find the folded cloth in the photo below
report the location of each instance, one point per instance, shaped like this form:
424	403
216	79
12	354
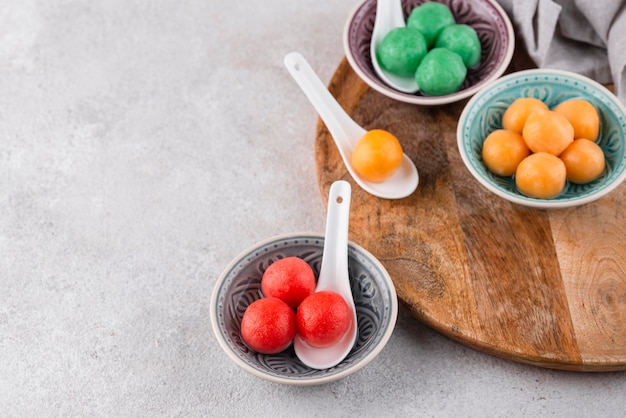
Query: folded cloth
584	36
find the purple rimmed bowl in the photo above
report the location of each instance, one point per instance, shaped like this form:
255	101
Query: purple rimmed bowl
488	19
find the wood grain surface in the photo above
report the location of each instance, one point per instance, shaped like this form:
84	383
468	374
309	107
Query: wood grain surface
546	288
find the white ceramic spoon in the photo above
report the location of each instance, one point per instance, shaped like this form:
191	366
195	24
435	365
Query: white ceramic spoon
333	276
389	16
347	133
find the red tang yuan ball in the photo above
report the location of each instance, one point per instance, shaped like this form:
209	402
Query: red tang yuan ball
290	279
323	318
268	325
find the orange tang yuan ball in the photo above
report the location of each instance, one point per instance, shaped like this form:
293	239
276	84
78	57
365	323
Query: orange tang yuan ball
584	161
268	325
548	132
323	318
515	115
541	175
583	117
503	150
377	155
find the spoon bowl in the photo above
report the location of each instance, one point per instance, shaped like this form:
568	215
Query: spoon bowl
347	133
389	16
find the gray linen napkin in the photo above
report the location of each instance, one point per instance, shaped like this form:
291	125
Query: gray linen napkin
584	36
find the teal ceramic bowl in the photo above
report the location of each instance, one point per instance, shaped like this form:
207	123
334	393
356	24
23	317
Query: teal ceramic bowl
483	114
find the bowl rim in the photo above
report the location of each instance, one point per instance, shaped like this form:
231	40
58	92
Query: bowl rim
393	314
523	200
430	100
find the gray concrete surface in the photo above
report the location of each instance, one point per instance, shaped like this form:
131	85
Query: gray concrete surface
143	145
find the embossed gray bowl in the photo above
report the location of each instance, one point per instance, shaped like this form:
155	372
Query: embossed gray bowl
483	114
240	283
488	19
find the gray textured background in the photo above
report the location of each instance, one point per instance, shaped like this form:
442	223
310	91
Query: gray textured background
143	145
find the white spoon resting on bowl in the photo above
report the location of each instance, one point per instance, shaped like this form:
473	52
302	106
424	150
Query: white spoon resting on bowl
389	16
333	276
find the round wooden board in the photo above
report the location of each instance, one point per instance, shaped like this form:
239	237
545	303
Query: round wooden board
546	288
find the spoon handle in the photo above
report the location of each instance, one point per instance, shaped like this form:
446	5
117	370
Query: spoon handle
339	123
389	15
334	270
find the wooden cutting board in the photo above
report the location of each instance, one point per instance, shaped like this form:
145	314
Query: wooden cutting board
546	288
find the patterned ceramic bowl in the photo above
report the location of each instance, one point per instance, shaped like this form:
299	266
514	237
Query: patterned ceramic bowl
491	23
483	114
240	283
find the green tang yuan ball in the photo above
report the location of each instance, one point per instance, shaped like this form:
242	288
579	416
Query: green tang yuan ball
440	72
401	51
430	18
463	40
